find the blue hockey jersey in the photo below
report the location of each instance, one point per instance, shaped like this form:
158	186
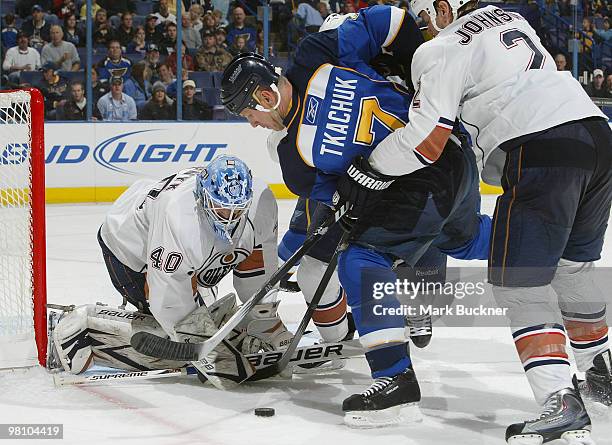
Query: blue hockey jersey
341	115
341	107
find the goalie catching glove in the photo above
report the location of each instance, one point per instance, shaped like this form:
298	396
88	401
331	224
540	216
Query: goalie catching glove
360	188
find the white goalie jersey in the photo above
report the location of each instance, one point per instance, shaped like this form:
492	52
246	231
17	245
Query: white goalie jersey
489	69
155	228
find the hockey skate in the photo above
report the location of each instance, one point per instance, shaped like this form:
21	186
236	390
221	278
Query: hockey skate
564	417
329	365
419	329
388	401
596	390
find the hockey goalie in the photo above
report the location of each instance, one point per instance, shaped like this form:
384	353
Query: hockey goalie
165	245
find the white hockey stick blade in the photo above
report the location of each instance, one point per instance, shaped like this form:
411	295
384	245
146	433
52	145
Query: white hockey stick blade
69	379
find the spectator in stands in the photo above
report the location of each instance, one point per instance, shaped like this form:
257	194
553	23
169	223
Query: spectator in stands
23	8
20	58
164	15
9	32
561	62
160	107
308	17
597	88
75	108
169	41
587	28
94	9
239	46
207	5
220	37
239	28
116	105
138	44
102	32
37	28
210	57
195	15
118	7
99	88
171	60
172	88
259	45
165	75
152	60
72	33
60	53
191	37
138	86
194	109
114	64
208	22
348	8
126	31
323	10
220	20
153	33
606	33
63	8
223	6
53	87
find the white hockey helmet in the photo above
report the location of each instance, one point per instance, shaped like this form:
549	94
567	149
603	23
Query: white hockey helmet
429	7
334	20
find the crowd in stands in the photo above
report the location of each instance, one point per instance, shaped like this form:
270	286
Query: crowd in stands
135	44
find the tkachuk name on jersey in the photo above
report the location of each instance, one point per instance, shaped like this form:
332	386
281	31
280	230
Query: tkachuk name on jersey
480	21
339	115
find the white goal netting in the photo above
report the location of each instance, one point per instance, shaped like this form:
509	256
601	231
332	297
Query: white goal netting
17	346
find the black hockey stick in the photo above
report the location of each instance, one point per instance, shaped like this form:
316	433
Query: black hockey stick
162	347
277	368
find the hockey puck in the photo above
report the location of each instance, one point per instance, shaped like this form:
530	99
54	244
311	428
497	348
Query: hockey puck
264	412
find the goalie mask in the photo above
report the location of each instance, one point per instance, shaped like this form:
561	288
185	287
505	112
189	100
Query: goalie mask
224	190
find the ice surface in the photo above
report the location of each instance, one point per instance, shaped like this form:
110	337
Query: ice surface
472	382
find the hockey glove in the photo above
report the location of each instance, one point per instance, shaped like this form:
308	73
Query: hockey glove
361	188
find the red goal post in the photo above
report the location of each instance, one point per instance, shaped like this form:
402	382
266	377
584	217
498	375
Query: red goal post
23	289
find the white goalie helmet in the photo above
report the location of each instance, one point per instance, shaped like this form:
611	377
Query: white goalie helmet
429	7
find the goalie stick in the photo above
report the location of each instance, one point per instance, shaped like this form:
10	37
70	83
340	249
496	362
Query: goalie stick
160	347
302	355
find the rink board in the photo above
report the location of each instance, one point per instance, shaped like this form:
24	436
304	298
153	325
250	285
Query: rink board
97	161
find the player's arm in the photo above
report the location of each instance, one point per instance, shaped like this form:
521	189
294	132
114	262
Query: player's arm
257	268
380	28
441	73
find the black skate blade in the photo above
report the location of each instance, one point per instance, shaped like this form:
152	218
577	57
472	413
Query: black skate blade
153	346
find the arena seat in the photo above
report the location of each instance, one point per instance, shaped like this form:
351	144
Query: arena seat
202	79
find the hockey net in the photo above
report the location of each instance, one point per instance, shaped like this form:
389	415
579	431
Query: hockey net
23	332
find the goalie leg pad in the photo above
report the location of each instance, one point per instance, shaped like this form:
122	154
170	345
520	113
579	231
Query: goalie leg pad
95	334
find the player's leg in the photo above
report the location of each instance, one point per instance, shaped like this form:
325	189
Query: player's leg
430	268
531	228
292	240
394	395
130	284
581	299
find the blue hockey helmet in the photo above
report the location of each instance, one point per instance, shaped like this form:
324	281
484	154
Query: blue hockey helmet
224	190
